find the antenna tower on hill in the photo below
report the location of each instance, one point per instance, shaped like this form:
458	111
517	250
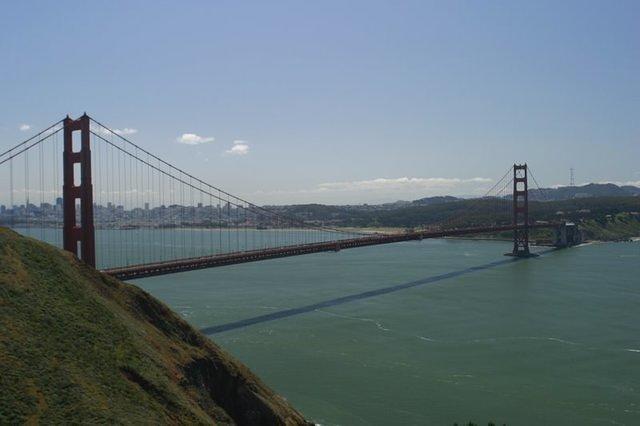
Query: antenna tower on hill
572	181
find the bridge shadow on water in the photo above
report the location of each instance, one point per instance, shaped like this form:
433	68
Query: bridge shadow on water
353	297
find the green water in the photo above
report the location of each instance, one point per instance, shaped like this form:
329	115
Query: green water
547	340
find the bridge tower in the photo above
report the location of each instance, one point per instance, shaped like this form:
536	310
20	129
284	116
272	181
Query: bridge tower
79	239
520	211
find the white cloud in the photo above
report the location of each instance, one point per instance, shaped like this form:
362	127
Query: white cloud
377	190
193	139
125	131
621	183
122	132
615	182
405	183
25	127
238	148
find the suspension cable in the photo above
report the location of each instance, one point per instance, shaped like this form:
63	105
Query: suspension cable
542	191
182	172
229	196
26	148
33	137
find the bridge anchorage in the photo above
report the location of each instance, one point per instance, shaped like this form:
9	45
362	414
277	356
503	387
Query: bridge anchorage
131	214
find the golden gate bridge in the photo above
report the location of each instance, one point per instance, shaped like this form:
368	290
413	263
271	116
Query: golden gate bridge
131	214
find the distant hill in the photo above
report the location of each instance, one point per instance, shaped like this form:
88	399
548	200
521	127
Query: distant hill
428	201
79	347
585	191
607	217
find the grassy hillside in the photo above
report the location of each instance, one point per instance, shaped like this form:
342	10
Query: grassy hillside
614	227
77	346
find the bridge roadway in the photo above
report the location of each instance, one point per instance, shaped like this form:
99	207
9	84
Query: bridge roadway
181	265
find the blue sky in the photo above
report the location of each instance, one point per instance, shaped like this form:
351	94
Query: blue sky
339	101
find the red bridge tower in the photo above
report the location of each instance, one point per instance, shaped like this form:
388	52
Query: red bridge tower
520	211
79	240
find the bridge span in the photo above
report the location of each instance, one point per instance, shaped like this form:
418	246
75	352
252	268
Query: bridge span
202	262
95	178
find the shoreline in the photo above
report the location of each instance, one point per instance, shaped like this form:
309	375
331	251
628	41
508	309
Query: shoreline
364	230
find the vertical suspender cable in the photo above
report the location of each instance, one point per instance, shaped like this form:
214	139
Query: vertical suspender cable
237	226
26	191
54	193
42	213
219	222
182	217
228	224
120	208
201	222
11	204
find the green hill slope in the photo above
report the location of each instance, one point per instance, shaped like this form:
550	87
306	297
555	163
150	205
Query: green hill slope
77	346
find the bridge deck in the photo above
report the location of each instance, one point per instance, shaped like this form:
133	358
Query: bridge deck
173	266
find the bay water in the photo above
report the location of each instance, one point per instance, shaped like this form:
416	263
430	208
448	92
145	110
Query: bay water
434	332
431	332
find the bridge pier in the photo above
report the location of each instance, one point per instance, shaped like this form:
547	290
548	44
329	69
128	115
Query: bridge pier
560	240
567	234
